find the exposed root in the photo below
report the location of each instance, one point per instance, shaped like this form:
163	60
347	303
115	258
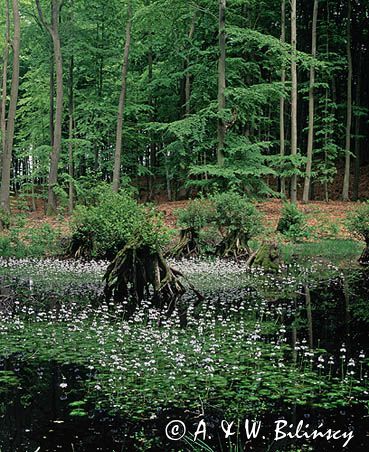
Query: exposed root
139	273
234	245
188	245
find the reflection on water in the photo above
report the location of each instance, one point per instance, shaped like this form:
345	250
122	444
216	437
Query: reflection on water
44	405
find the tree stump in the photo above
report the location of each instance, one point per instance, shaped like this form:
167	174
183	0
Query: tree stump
139	272
267	257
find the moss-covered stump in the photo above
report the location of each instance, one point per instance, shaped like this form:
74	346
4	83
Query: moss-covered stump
188	245
138	273
267	257
364	258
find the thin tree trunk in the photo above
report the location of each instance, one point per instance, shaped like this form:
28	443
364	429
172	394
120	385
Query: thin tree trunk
151	146
122	103
357	134
53	30
5	78
221	82
293	97
310	146
51	99
346	180
326	192
7	155
282	101
70	145
188	75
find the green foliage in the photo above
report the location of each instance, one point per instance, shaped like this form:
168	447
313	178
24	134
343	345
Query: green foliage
114	221
197	214
4	219
235	214
292	222
23	241
358	222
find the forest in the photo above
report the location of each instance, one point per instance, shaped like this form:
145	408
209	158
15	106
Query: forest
177	97
184	225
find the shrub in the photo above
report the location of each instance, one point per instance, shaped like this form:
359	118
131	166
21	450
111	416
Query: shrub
238	221
292	222
101	230
234	212
196	215
193	220
358	222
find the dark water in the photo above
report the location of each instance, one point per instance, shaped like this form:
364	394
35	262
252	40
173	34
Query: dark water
35	415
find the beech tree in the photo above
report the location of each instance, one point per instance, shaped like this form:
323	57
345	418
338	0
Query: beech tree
221	82
282	99
346	180
310	146
122	103
8	130
293	96
53	30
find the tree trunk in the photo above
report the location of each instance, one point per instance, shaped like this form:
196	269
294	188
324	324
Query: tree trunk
122	103
7	152
346	180
310	146
221	82
5	79
188	75
70	146
53	30
51	99
293	97
356	193
282	102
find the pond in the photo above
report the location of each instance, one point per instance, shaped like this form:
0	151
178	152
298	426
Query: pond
77	375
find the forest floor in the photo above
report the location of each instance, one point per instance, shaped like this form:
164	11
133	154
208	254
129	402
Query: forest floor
324	217
327	219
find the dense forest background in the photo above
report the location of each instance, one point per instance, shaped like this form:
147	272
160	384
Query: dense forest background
173	97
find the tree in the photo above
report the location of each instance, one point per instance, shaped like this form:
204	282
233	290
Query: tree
53	30
122	103
5	77
221	82
310	146
282	101
293	96
10	126
346	180
71	133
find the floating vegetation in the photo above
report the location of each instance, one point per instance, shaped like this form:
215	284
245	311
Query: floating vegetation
248	348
